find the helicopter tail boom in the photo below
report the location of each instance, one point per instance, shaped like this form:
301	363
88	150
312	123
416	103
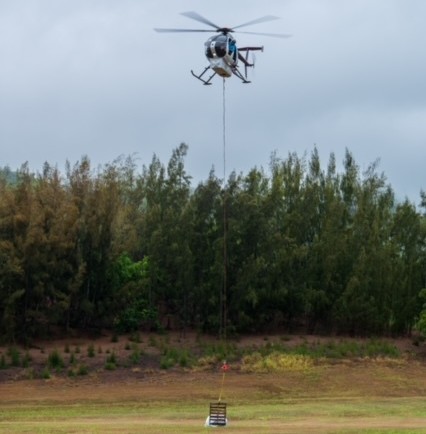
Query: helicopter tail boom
251	49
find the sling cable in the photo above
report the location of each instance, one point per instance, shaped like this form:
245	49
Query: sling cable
224	291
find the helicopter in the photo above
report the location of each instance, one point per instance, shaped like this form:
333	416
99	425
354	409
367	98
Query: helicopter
221	50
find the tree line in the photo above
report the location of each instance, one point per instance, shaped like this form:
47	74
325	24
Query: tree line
307	248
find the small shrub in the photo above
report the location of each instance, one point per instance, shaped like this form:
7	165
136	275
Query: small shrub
45	374
375	348
26	360
30	374
168	358
208	362
135	337
67	349
112	358
184	359
15	356
91	350
3	363
77	349
72	359
55	360
167	363
110	366
82	370
99	350
223	351
152	342
127	347
135	356
173	356
114	338
111	362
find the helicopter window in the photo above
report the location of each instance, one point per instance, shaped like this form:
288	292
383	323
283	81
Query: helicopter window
216	46
209	53
232	48
220	49
220	45
209	44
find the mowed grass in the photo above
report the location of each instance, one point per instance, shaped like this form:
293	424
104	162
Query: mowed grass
355	415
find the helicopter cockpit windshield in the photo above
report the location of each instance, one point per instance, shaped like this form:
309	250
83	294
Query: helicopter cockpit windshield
216	46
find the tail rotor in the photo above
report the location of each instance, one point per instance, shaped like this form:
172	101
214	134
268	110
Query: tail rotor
246	63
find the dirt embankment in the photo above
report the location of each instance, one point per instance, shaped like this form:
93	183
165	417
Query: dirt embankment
84	366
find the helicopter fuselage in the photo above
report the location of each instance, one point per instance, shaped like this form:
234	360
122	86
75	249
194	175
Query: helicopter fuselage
221	50
222	53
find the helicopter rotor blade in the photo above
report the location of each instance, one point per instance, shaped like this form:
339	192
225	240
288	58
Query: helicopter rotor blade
258	20
180	30
273	35
225	30
198	17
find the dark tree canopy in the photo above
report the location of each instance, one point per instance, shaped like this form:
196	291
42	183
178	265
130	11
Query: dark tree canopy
308	249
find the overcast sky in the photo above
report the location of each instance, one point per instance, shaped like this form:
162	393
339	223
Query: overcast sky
91	77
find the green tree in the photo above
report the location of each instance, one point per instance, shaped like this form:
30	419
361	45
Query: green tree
166	235
131	285
207	252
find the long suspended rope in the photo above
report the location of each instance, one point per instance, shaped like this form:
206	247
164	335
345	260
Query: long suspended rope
223	298
225	368
221	387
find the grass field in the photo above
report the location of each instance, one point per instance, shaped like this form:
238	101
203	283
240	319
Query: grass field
348	395
326	416
321	401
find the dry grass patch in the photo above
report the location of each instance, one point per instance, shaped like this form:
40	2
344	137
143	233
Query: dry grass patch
275	362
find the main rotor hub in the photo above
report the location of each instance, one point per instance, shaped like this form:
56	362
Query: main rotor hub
225	30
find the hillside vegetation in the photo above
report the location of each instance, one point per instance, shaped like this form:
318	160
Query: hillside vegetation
145	355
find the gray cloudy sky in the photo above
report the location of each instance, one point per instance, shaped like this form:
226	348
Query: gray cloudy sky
91	77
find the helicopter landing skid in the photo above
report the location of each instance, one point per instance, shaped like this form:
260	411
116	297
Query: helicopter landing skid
206	82
238	74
